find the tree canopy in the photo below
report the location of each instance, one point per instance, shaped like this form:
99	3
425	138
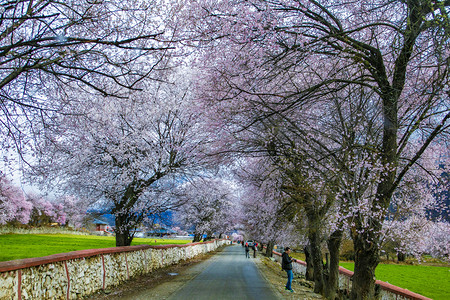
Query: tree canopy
333	116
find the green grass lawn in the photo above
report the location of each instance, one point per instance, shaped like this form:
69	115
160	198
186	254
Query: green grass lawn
429	281
17	246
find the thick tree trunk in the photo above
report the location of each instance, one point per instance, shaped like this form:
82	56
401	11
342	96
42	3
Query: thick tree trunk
123	237
124	216
317	260
197	237
366	261
332	284
269	249
309	275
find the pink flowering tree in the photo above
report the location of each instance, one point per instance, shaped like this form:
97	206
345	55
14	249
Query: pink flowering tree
44	211
74	209
208	207
304	157
291	57
96	45
13	204
125	153
267	215
417	236
409	227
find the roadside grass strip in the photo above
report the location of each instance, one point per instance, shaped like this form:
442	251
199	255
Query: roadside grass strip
429	281
18	246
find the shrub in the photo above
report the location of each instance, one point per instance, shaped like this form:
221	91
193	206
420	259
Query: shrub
347	252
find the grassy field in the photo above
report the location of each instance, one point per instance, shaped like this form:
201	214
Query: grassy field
430	281
17	246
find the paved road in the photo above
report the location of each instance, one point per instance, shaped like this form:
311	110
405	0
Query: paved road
227	275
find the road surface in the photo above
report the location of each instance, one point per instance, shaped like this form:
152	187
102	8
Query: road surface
229	275
226	275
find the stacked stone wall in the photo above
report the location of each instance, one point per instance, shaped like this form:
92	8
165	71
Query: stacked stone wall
8	284
80	273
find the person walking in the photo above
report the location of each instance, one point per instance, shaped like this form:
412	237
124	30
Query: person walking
254	249
286	264
247	250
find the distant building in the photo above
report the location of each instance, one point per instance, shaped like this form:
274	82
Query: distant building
102	226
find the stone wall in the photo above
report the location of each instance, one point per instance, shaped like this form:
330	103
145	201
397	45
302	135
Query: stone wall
388	291
76	274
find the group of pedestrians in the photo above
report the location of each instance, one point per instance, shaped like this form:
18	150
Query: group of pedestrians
247	249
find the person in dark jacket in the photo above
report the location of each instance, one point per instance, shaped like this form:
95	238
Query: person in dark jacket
286	264
247	249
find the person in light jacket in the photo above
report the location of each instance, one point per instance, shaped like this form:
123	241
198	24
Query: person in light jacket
286	264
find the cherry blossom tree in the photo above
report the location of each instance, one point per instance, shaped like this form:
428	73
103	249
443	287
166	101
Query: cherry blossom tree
45	211
415	222
208	207
13	204
266	215
287	56
304	154
417	236
98	46
125	152
74	209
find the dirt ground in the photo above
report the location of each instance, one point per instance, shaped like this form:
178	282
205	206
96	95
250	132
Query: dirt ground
162	283
272	272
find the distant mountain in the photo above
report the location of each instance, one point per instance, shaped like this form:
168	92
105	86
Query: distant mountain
105	214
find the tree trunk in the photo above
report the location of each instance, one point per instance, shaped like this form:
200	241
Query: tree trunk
332	284
317	260
366	242
401	256
208	236
123	237
366	261
197	237
309	275
269	249
126	220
